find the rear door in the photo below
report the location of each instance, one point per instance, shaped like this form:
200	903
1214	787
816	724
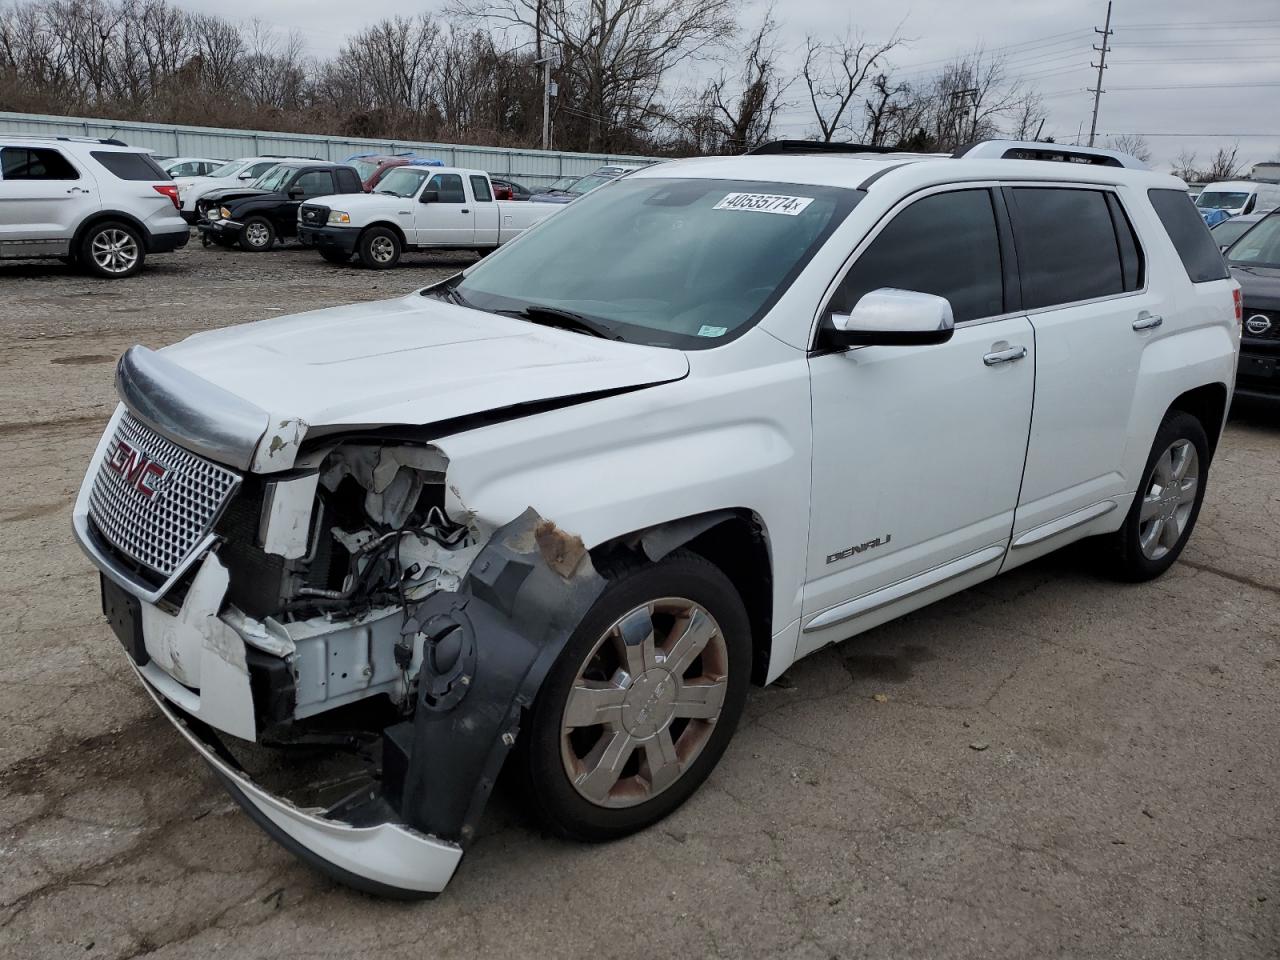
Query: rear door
450	220
44	196
1084	288
487	211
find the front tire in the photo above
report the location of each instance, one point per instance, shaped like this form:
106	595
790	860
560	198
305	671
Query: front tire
1167	504
112	250
257	235
379	248
641	703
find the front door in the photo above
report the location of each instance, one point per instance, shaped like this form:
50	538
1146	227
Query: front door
307	185
43	197
918	451
449	221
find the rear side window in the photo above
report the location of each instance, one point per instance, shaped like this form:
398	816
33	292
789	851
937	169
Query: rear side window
348	182
23	163
130	166
945	244
480	187
1131	261
1067	246
1191	238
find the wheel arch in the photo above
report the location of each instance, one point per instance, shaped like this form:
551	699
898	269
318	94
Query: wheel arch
1208	404
736	541
106	216
393	227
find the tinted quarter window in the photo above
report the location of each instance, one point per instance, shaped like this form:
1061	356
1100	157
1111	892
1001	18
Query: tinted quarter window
1191	238
946	245
348	182
314	183
1067	247
480	187
20	163
1131	263
130	166
450	187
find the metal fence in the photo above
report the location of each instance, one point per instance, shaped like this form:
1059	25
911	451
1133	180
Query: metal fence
532	167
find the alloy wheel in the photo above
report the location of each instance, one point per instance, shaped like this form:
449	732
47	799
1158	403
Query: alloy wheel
257	234
1169	499
382	249
114	250
644	702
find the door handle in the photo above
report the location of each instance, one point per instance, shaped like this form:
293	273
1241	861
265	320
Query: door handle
77	190
1148	322
465	210
1004	356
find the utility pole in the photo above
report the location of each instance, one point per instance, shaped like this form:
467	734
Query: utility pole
546	101
959	111
1097	90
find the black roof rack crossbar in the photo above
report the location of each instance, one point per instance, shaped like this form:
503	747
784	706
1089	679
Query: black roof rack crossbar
782	147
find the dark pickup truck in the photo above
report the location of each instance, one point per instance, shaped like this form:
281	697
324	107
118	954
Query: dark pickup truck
1254	260
255	217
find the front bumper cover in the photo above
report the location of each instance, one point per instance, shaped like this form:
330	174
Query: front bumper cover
330	238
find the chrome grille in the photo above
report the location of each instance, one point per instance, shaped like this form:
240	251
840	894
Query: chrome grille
154	501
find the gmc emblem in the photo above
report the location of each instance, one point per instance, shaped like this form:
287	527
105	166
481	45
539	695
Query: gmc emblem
138	469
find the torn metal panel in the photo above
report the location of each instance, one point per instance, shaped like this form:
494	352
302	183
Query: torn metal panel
285	523
486	650
278	447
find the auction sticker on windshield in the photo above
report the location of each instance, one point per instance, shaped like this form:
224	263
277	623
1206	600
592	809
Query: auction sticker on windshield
764	203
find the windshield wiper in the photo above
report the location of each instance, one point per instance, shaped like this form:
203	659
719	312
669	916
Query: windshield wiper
565	319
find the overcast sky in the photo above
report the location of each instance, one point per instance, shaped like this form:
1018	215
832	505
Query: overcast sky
1218	62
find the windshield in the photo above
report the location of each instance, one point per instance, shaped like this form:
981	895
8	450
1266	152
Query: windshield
1213	200
1260	246
366	168
588	183
402	182
228	169
1229	231
274	178
682	263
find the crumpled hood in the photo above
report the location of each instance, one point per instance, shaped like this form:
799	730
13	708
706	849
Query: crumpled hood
412	361
232	194
1259	286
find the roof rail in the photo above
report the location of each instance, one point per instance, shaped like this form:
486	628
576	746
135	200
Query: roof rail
1035	150
106	141
777	147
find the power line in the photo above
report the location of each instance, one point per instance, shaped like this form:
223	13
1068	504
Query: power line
1203	86
1178	24
1201	60
1166	134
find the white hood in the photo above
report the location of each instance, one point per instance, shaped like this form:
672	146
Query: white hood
413	361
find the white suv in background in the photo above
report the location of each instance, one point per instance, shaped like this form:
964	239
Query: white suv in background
98	204
571	502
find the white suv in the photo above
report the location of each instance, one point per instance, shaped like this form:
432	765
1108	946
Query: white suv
95	203
710	418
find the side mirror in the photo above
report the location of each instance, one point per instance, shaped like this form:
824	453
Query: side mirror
891	317
296	193
247	176
429	196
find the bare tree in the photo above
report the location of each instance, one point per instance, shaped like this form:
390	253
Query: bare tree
1134	144
1224	165
834	73
738	113
1184	166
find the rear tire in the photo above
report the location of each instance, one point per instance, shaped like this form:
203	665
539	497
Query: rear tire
667	650
379	248
257	235
112	250
1167	504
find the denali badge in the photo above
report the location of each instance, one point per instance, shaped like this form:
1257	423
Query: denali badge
138	469
1258	324
858	548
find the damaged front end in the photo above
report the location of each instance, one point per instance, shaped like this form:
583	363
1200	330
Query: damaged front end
334	615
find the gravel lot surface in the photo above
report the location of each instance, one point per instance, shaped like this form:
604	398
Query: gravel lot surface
1048	765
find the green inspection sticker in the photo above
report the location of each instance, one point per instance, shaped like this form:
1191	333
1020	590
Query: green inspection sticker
705	331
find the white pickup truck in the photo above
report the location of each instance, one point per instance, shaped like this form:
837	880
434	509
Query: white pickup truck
415	208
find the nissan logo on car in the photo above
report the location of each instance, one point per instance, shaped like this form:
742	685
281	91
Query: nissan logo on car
1258	324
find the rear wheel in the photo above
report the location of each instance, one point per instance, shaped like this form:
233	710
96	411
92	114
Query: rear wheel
1165	510
112	249
379	248
641	703
257	235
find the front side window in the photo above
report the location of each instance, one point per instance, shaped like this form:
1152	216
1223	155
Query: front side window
946	244
1067	246
315	183
685	263
23	163
402	182
1260	247
130	166
1191	238
228	169
480	187
449	186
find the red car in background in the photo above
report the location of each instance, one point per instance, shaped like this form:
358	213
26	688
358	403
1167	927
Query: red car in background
372	167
